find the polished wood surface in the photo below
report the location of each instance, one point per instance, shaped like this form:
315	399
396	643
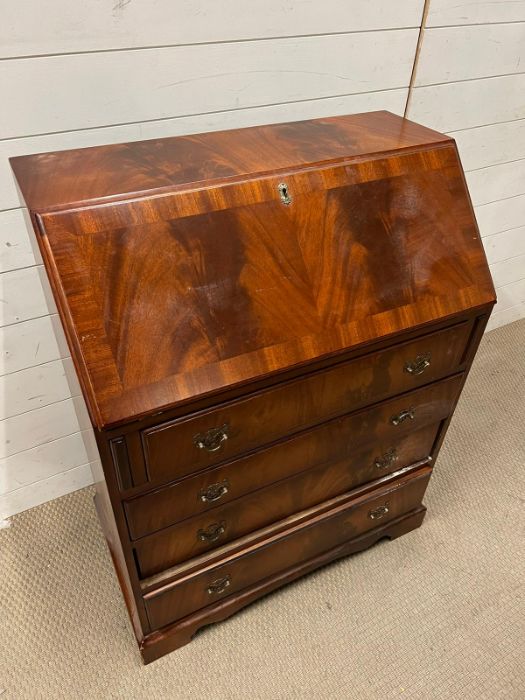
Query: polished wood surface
150	167
227	522
300	544
170	448
271	328
181	632
329	444
179	295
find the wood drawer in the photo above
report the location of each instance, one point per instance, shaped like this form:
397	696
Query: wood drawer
328	443
183	446
318	534
225	523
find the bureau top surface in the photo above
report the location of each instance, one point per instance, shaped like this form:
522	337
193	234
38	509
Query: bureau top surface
104	173
181	266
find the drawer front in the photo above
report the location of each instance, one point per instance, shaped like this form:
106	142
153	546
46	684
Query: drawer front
337	441
181	447
266	506
298	544
383	424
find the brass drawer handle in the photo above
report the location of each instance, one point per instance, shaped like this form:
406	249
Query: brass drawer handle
213	439
212	532
219	585
214	492
404	415
419	365
379	512
386	459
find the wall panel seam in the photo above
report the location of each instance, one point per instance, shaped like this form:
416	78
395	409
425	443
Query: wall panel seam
417	53
501	199
468	80
494	165
47	478
247	40
479	126
497	233
198	114
473	24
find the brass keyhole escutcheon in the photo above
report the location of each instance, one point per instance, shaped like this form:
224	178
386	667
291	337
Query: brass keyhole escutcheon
283	191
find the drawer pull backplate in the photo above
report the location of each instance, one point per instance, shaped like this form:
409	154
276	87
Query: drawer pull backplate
212	532
419	365
386	459
214	492
213	439
219	585
379	512
403	415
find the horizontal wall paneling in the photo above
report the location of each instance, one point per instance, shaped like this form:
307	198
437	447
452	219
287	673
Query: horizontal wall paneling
30	28
454	12
90	90
391	100
466	53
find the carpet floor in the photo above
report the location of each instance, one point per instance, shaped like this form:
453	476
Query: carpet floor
438	614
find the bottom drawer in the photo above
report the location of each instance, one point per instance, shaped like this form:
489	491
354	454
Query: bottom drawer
318	534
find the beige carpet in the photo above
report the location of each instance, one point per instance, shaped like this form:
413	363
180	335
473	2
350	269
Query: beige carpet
437	614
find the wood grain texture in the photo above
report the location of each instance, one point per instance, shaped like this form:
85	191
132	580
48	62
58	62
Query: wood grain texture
351	464
171	637
272	414
323	324
129	170
344	522
374	426
391	100
233	250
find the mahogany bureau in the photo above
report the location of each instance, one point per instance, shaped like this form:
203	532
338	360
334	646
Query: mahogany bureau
271	327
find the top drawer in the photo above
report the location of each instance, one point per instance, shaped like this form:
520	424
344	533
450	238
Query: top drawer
186	445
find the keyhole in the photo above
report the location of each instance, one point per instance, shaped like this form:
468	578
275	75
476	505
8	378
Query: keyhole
285	197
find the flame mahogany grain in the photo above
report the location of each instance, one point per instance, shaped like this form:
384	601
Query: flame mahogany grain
276	280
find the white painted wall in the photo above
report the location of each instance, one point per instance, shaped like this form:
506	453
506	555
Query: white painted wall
470	82
120	70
